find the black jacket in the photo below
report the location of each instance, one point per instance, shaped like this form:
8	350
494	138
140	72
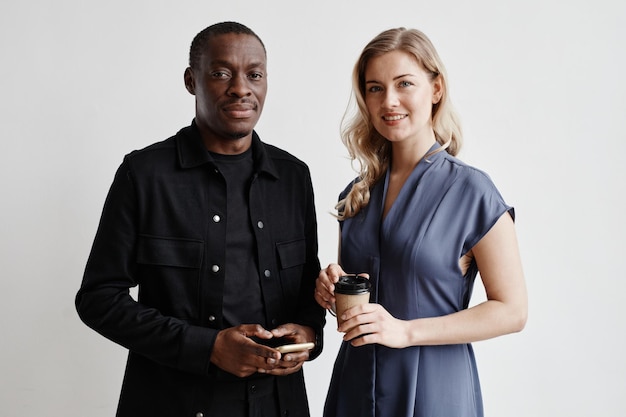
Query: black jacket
163	229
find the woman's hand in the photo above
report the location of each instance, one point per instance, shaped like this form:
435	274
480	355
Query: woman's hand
325	286
371	323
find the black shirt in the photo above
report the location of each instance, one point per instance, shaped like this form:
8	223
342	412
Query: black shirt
243	303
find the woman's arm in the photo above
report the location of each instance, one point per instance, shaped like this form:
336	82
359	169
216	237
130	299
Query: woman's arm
505	311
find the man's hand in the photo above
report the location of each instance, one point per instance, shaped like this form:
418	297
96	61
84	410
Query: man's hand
234	351
291	362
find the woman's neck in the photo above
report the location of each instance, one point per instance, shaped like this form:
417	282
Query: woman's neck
405	156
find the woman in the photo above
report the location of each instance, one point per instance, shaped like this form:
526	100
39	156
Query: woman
421	224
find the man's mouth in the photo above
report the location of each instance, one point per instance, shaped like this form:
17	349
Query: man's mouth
240	109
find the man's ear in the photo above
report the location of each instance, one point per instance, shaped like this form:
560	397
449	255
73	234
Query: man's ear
190	84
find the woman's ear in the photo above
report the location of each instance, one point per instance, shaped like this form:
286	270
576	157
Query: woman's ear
437	89
189	81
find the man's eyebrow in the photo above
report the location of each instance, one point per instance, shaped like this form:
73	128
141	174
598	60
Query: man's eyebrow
224	63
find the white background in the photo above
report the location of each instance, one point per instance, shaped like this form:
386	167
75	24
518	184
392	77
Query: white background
540	88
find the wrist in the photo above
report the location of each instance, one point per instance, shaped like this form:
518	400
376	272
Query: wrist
414	336
319	344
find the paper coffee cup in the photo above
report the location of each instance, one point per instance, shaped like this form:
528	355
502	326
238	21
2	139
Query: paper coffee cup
350	291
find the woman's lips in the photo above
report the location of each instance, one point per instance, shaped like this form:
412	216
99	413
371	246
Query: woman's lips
394	117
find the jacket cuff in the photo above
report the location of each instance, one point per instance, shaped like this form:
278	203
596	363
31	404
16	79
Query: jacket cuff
319	339
196	348
319	345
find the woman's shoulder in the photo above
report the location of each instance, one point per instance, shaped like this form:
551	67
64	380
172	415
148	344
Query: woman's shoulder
467	174
475	186
348	187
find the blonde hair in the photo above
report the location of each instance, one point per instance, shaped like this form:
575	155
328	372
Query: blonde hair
365	145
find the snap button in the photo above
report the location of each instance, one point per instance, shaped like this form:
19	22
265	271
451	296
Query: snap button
216	218
215	268
260	224
267	273
211	318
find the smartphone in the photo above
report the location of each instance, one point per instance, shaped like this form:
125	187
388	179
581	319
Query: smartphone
296	347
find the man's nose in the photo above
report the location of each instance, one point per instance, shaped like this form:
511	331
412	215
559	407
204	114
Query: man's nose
239	86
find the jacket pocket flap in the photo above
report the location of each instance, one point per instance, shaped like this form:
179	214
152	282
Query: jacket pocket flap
291	253
170	252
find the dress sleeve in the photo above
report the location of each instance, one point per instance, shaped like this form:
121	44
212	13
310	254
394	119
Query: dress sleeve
481	207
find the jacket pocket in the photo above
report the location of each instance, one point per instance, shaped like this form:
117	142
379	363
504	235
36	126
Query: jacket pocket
291	261
182	253
292	253
169	275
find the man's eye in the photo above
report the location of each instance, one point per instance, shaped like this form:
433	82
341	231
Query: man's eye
256	75
219	74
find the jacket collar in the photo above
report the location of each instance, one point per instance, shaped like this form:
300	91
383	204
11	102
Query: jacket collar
193	153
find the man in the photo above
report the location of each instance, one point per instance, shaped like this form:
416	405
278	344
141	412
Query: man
218	230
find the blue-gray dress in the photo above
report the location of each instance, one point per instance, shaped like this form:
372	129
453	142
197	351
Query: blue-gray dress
444	208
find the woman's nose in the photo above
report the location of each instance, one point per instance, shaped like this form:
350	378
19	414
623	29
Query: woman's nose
390	99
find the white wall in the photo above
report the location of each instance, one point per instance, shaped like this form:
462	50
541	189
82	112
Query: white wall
539	85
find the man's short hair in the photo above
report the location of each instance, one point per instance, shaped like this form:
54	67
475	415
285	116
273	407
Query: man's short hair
200	40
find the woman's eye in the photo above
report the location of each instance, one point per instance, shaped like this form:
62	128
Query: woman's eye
405	84
374	89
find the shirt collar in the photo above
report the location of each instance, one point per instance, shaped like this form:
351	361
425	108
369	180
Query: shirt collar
193	153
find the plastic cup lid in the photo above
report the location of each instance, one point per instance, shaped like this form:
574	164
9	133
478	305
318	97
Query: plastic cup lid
352	284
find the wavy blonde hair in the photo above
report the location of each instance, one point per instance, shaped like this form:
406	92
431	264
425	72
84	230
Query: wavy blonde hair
365	145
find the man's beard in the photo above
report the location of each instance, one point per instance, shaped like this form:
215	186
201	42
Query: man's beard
237	135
